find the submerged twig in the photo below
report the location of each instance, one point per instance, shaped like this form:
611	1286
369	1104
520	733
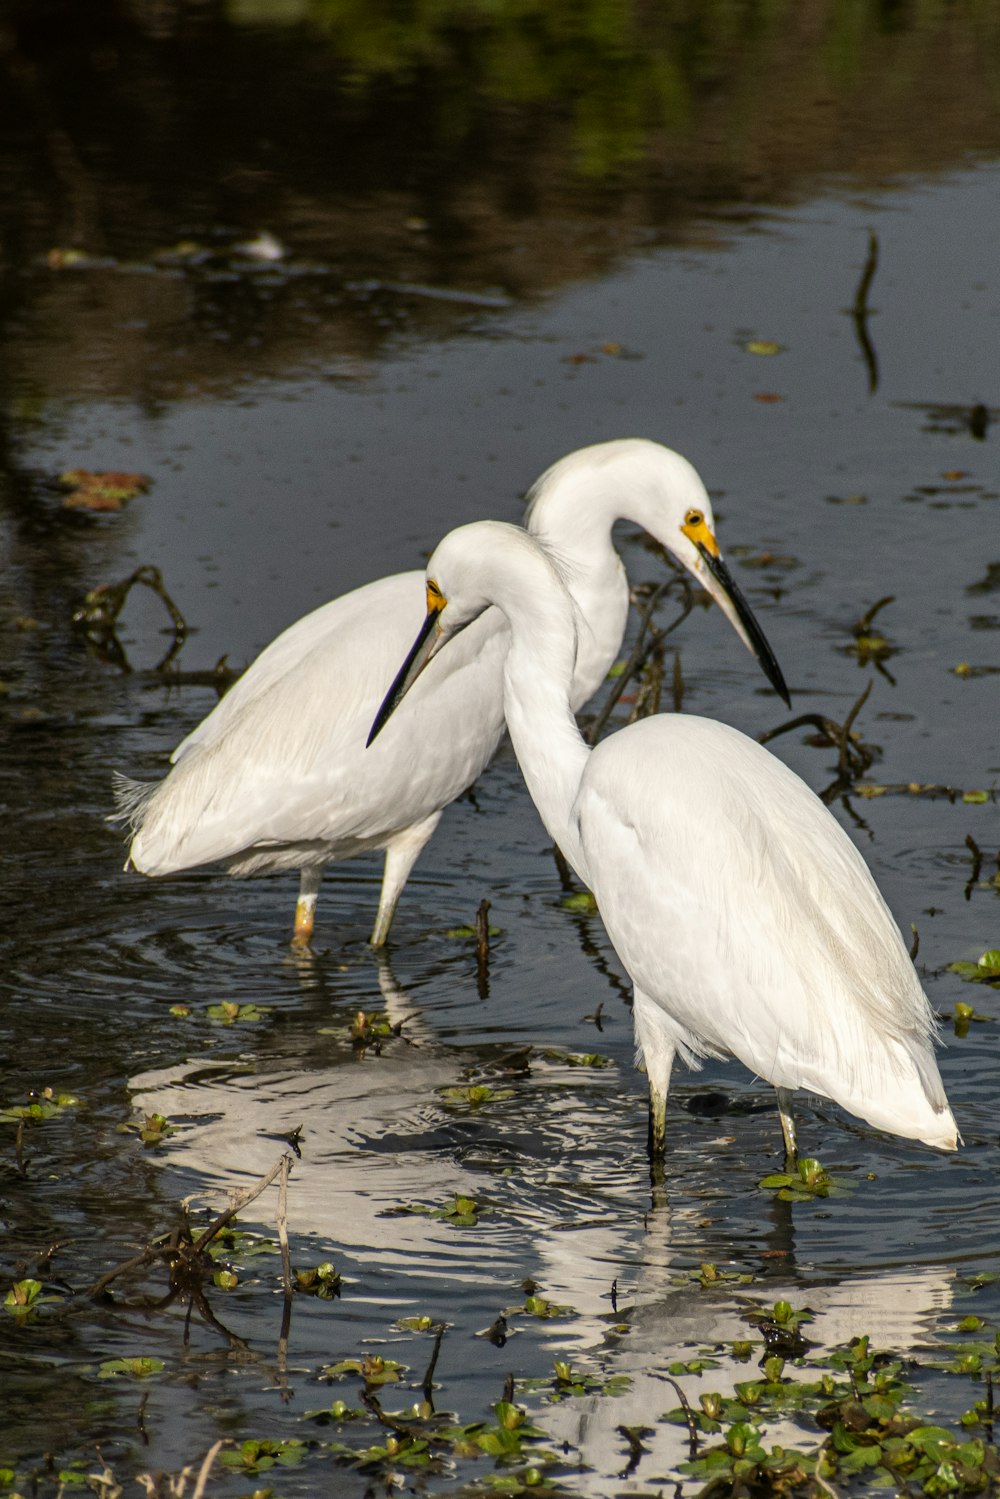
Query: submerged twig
860	312
483	949
140	1419
281	1224
637	656
853	756
427	1385
181	1252
977	864
221	676
385	1418
206	1468
862	755
863	623
240	1201
174	1485
148	1256
633	1435
988	1413
678	683
97	616
689	1415
947	417
647	697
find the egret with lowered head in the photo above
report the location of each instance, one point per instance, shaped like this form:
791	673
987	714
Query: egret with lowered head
746	918
277	776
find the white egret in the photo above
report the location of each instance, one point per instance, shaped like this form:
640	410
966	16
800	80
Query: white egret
747	920
277	776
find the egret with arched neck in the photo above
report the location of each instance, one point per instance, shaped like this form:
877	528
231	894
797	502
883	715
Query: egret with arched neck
747	920
277	776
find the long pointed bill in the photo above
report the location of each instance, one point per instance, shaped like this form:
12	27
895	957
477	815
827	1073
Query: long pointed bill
721	584
421	652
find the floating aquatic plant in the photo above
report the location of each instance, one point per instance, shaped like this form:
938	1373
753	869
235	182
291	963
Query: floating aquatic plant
231	1013
257	1455
809	1180
461	1210
322	1281
373	1369
131	1368
44	1103
985	970
580	901
476	1095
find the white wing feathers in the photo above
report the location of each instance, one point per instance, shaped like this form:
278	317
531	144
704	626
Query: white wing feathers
757	921
281	761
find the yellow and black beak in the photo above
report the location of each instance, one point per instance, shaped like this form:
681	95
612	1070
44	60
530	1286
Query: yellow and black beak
720	583
422	650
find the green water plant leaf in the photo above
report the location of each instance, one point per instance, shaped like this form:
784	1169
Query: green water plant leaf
461	1211
321	1280
580	901
373	1369
985	970
337	1410
710	1275
573	1382
585	1059
258	1455
809	1180
23	1296
539	1306
131	1368
476	1095
44	1103
228	1012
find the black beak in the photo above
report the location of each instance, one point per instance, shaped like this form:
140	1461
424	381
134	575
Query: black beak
420	653
751	630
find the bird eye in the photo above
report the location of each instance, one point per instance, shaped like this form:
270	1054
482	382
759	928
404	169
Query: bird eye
435	598
693	518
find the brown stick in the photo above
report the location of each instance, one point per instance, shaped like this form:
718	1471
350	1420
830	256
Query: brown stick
483	949
206	1468
281	1223
633	663
243	1200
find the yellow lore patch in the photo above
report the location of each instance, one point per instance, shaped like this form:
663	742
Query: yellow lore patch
435	598
697	529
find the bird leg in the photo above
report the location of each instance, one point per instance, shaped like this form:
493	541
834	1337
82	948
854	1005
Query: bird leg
657	1143
305	906
401	853
658	1059
787	1125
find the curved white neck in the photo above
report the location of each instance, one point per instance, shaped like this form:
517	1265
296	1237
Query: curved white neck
573	508
549	747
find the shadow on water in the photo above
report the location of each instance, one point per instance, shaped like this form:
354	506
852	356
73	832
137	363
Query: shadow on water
336	279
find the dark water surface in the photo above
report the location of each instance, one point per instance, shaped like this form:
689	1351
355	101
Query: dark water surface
493	252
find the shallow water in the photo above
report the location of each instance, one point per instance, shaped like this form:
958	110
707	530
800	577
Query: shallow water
318	421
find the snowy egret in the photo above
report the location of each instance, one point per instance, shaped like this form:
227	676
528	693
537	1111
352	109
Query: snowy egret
749	924
277	776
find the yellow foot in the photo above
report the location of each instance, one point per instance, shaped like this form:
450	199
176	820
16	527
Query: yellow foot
305	913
